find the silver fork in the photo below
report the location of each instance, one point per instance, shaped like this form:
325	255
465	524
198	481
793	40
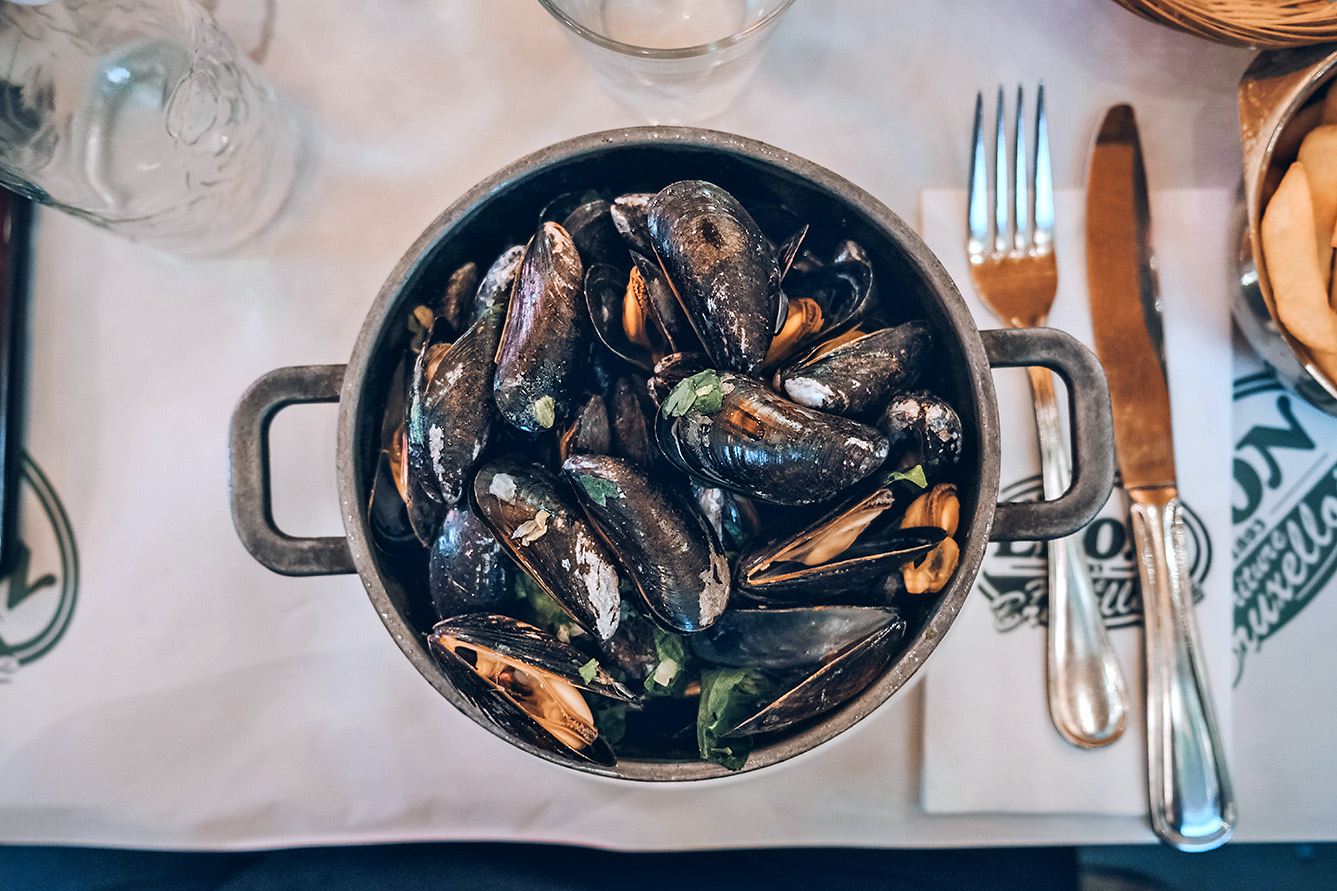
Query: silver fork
1013	264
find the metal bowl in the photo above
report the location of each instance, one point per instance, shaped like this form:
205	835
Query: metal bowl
1275	94
503	210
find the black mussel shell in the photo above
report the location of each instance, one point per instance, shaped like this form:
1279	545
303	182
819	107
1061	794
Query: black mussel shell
609	296
630	215
455	644
766	447
922	428
631	414
670	322
666	547
788	250
733	517
722	269
468	571
844	677
848	548
531	515
859	374
387	514
499	280
543	357
841	289
787	639
589	433
450	416
591	228
456	302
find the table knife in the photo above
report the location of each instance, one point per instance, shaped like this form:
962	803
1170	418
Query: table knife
1191	801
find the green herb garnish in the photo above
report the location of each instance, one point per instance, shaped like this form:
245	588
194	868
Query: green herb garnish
589	670
673	669
729	696
599	489
703	392
914	475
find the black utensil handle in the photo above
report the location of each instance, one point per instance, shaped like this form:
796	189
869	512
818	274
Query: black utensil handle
1092	433
248	472
16	225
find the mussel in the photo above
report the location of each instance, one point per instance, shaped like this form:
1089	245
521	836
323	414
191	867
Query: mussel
449	414
732	431
722	269
467	569
837	681
499	280
922	428
544	351
787	639
530	514
528	682
666	547
851	374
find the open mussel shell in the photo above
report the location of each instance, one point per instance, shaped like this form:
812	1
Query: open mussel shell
843	677
387	512
450	414
589	433
467	568
543	356
525	680
630	214
666	547
856	375
610	297
764	446
788	639
841	289
528	510
733	517
722	269
456	301
922	428
591	228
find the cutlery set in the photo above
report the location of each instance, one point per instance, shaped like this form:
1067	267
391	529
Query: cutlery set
1011	249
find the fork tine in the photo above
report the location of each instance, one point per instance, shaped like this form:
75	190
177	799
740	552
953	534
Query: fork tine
1044	176
978	213
1001	205
1020	192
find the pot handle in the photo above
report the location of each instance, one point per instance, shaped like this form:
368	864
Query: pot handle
1092	433
248	472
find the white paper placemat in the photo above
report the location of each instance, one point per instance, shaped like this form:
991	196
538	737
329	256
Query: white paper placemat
989	744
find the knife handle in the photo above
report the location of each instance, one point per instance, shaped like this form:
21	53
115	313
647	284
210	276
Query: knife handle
1192	804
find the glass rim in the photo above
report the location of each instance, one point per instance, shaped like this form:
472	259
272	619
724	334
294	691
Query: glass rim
677	52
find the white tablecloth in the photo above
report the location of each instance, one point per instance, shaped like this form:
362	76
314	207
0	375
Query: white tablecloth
196	700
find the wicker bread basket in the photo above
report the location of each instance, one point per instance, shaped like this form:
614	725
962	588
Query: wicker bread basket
1269	24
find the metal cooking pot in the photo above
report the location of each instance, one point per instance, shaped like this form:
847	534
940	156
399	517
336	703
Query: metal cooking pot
503	210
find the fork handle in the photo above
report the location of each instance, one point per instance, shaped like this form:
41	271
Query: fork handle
1088	700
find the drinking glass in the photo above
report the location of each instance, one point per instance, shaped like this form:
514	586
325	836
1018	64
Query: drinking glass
674	61
143	117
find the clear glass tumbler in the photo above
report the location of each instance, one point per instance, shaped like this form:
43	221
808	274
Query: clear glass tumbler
143	117
674	61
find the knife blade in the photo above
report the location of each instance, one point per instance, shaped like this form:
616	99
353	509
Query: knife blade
1189	791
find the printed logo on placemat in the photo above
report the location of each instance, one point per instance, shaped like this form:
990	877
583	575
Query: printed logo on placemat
1284	510
1015	579
37	597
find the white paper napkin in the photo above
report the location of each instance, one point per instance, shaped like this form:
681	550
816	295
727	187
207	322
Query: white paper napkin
989	744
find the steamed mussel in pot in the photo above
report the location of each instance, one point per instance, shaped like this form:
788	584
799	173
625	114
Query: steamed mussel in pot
664	480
